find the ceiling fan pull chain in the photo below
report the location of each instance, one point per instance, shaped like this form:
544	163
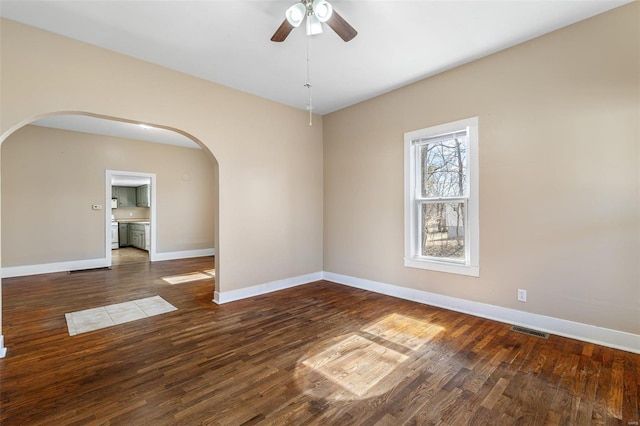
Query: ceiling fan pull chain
308	84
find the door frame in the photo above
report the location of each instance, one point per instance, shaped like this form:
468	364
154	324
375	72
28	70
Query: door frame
109	174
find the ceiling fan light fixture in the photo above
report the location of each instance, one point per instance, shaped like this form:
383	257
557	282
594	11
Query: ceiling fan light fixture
317	12
314	26
295	14
322	9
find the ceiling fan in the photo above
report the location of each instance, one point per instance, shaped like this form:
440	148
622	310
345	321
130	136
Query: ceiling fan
317	12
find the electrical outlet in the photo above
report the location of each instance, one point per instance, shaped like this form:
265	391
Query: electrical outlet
522	295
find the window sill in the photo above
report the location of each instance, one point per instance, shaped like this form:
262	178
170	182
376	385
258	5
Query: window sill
451	268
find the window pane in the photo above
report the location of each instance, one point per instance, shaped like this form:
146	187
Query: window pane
444	168
443	230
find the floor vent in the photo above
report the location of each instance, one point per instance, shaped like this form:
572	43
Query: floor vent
105	268
530	332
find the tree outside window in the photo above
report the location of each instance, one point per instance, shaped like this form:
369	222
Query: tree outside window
443	178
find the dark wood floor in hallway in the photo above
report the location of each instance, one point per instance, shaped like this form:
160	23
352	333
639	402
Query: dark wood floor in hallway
320	353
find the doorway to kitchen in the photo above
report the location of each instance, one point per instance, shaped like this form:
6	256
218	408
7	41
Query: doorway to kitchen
130	229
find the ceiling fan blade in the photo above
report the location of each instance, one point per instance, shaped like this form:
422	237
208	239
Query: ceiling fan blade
282	32
341	27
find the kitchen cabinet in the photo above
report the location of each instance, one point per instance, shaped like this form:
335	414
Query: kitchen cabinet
138	236
126	195
142	196
123	234
135	234
137	239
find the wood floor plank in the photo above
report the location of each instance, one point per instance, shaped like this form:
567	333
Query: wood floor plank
316	354
616	388
630	405
496	392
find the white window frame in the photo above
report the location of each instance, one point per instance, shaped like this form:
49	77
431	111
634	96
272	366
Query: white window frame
412	255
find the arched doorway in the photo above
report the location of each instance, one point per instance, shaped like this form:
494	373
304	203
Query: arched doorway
87	244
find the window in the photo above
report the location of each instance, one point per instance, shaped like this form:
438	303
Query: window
441	198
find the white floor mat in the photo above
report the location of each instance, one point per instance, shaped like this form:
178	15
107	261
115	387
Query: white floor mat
119	313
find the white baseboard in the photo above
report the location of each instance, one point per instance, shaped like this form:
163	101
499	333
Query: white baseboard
574	330
257	290
74	265
186	254
3	350
47	268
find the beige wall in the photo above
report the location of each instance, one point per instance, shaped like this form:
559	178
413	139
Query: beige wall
559	123
269	158
51	178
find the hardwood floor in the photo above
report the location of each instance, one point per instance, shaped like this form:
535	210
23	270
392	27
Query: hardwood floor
320	353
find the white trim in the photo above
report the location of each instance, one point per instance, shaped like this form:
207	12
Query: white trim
472	227
186	254
260	289
47	268
589	333
451	268
153	200
3	350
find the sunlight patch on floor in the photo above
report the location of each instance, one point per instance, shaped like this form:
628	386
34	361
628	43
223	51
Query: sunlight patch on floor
408	332
192	276
359	366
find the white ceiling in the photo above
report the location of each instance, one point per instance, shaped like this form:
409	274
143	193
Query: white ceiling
118	129
228	42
